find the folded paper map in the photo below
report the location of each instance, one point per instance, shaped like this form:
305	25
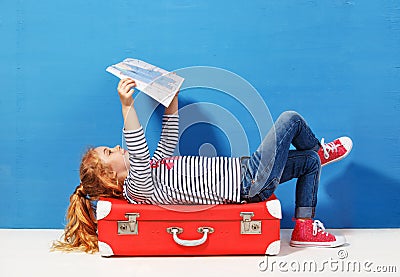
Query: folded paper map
156	82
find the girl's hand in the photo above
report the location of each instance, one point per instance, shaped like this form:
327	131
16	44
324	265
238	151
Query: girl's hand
125	92
173	106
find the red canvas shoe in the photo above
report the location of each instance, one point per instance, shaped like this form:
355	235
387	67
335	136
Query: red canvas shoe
309	233
335	150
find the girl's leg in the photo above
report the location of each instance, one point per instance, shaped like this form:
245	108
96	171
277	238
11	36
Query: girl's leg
273	163
306	167
265	167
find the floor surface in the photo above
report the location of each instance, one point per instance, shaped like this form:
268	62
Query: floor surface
370	252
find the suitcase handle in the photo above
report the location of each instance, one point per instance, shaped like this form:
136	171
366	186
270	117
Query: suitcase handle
177	230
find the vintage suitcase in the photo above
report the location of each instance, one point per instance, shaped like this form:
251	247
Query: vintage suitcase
181	230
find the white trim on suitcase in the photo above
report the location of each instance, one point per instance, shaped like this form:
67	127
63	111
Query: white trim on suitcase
105	250
274	208
103	209
273	248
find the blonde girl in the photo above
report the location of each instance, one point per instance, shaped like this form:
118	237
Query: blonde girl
166	179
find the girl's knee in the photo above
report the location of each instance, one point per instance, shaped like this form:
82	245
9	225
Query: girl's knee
313	160
288	116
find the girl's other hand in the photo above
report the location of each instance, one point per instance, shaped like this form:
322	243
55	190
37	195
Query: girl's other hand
125	91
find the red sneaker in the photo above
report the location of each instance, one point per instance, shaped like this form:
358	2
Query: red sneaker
309	233
335	150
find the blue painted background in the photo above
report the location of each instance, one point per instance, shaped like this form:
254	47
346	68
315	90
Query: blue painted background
336	62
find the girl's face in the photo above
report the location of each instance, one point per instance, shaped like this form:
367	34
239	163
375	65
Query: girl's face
117	158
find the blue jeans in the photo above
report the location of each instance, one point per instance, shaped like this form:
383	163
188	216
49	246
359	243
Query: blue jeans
273	163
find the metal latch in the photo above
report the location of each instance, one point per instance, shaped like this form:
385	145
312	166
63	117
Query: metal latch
129	227
248	226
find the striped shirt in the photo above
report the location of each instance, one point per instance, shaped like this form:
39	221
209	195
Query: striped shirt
168	179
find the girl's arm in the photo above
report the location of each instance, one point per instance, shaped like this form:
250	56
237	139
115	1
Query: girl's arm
125	92
173	107
138	185
170	131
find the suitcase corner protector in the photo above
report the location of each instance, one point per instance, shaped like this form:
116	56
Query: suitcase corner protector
273	248
105	250
103	209
274	208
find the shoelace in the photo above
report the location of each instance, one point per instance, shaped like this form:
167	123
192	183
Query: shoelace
318	227
328	147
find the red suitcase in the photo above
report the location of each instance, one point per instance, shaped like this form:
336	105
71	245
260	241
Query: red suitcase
180	230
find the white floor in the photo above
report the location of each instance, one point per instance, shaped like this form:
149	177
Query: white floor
26	253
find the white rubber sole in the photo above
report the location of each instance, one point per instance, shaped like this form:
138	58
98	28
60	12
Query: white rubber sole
338	242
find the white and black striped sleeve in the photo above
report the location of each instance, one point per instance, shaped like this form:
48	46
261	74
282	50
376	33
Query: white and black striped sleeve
169	137
138	185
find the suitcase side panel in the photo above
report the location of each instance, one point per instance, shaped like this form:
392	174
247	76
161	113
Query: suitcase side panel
153	239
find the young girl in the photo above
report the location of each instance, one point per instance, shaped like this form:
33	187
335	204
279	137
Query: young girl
165	179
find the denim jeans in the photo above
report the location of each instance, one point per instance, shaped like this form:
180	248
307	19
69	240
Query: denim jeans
274	163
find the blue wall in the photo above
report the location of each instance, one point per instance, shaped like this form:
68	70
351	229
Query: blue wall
336	62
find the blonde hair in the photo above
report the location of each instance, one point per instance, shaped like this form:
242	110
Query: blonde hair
97	180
